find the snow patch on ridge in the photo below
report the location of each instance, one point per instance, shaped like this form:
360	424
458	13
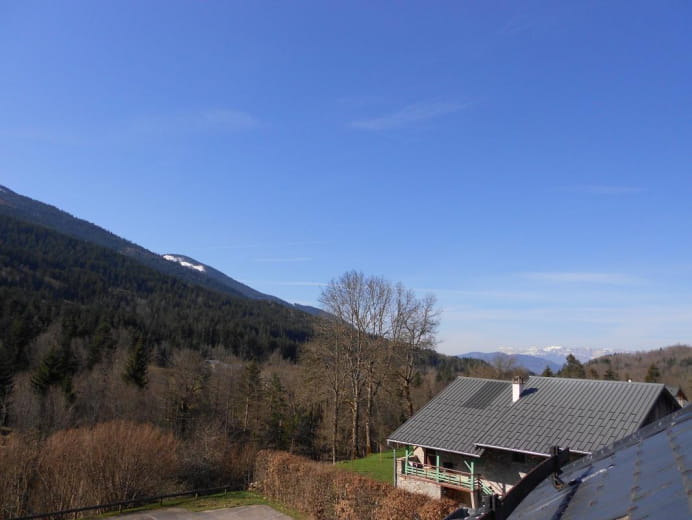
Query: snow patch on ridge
184	263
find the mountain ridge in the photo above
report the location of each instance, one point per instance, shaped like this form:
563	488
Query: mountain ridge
37	212
222	278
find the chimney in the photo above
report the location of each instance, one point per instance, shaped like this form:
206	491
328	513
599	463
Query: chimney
517	388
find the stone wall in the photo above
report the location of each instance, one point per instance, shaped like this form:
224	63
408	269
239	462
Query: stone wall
420	486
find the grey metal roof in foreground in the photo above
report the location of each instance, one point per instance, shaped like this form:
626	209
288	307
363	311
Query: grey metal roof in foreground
645	475
579	414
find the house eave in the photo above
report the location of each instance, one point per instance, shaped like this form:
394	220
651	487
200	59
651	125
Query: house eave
527	452
393	441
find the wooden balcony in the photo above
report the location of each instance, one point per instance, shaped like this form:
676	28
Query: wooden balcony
471	482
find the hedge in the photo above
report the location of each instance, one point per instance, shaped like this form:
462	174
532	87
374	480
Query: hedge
325	492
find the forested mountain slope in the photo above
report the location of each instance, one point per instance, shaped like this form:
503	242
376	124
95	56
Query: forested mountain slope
48	279
29	210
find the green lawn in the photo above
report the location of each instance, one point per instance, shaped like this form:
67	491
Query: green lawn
378	466
218	501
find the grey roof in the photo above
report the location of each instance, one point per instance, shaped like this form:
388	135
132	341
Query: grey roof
580	414
457	417
645	475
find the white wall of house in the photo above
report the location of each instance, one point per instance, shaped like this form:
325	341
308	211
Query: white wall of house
504	469
419	453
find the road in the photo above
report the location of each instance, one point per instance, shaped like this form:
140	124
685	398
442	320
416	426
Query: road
258	512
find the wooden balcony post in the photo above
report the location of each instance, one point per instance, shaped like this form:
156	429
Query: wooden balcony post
394	460
406	462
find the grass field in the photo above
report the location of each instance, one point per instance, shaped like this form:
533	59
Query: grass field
378	466
218	501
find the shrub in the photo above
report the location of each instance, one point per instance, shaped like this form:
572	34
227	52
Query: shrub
109	462
209	459
326	492
17	472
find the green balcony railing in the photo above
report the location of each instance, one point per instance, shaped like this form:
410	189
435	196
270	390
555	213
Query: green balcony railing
441	475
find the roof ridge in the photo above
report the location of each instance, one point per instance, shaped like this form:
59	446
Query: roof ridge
595	381
484	379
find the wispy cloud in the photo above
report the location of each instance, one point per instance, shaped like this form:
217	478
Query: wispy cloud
408	115
302	284
209	120
267	245
359	101
516	25
298	283
581	277
45	135
212	120
603	189
284	260
504	295
605	315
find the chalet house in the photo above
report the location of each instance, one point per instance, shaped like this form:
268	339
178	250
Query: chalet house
481	436
679	395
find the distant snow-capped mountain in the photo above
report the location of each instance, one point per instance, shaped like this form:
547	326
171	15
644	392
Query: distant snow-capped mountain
557	353
533	364
535	359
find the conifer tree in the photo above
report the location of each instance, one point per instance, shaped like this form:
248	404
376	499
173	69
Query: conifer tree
101	343
56	368
252	386
137	368
610	375
547	372
275	421
653	375
572	368
6	384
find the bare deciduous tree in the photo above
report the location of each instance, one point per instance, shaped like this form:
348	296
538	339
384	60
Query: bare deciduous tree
346	300
414	324
324	358
372	324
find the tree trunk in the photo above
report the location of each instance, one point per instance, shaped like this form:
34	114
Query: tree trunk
368	415
247	412
335	426
407	395
355	423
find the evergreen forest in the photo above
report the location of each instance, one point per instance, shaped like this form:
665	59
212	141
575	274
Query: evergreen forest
93	342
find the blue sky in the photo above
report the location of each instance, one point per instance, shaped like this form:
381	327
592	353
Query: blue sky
529	163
